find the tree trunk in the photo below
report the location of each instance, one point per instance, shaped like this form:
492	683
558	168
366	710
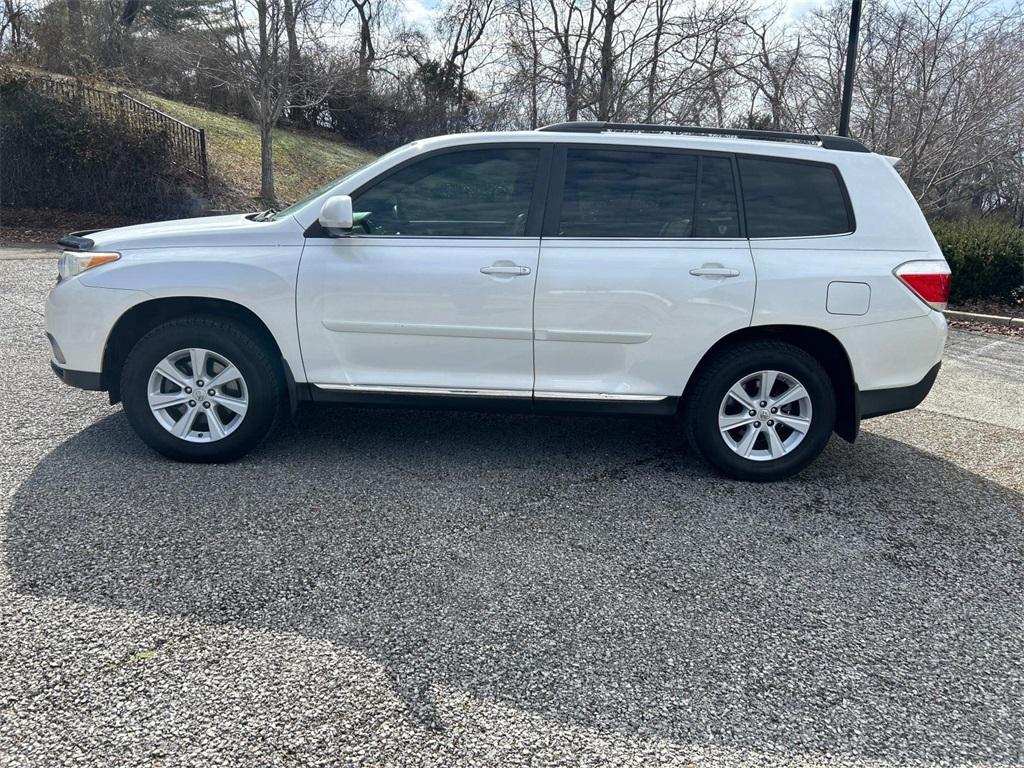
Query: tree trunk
652	75
76	32
267	163
289	26
572	100
294	62
367	52
604	97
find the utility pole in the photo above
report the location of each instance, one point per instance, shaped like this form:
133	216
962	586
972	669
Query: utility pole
851	66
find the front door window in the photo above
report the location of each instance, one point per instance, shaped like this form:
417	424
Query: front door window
471	193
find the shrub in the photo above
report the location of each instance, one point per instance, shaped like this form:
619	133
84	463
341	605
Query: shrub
986	257
56	154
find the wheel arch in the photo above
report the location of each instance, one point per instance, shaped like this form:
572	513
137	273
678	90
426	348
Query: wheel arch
147	315
822	345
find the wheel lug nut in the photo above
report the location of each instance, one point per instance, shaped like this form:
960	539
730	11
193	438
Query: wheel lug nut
206	404
199	383
764	403
771	423
775	410
212	392
192	403
188	390
751	413
757	424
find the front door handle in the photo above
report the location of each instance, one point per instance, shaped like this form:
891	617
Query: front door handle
714	271
514	271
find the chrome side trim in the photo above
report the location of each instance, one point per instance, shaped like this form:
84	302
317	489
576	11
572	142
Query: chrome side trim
520	393
596	396
426	390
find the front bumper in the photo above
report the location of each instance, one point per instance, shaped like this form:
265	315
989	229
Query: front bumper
79	319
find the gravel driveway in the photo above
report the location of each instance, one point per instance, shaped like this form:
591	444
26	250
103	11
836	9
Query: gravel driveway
447	589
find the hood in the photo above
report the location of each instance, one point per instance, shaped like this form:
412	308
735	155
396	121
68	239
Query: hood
209	231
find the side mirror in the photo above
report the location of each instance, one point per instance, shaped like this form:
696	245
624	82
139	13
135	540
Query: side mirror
337	214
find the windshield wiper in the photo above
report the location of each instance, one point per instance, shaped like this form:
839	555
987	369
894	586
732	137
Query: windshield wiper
266	215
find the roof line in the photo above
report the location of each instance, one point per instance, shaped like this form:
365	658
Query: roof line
841	143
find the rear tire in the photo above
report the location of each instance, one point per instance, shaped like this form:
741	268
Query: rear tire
217	413
747	433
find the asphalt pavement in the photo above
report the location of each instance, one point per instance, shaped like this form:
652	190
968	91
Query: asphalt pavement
384	587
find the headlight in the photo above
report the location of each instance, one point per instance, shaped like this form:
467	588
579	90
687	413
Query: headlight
76	262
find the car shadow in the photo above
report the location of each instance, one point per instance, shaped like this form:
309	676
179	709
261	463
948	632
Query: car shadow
586	569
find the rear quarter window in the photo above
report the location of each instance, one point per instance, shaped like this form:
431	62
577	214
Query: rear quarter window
786	198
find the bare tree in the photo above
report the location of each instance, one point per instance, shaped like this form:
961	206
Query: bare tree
571	27
525	47
13	17
257	59
460	30
771	66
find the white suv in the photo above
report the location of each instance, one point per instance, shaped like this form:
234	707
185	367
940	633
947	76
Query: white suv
767	288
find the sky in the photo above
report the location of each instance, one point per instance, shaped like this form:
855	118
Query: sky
797	8
418	12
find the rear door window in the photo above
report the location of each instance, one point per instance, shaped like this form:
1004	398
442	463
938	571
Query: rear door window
613	193
717	210
786	198
620	194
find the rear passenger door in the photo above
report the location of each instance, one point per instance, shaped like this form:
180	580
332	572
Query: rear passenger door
643	266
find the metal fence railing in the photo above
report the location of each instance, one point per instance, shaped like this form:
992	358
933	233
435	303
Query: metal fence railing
188	144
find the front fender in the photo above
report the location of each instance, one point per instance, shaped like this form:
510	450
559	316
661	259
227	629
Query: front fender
263	282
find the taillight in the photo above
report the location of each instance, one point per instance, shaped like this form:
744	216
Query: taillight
929	280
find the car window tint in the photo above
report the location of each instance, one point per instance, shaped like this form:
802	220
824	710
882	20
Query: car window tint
472	193
718	211
792	199
612	193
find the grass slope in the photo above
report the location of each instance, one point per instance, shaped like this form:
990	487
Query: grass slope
302	161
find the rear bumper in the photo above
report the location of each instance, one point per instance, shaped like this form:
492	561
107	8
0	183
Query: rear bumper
80	379
879	402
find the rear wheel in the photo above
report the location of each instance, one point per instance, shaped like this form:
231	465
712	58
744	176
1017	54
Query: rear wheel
201	389
761	411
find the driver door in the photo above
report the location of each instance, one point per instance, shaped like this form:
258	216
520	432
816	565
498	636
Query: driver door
432	293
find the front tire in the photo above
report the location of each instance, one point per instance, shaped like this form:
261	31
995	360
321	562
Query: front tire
761	411
201	389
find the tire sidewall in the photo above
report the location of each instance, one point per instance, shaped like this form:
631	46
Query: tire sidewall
219	337
796	363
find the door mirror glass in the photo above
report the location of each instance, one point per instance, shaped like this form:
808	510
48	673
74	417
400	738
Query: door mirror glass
336	215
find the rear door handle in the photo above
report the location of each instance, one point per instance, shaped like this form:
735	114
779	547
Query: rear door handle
514	271
714	272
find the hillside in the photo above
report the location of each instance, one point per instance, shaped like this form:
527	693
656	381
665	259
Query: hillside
302	161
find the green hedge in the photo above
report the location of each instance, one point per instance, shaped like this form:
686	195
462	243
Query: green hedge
986	257
59	155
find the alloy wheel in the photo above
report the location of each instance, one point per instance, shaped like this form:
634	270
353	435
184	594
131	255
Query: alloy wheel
765	415
198	395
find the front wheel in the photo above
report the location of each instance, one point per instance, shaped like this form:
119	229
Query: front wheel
201	390
761	411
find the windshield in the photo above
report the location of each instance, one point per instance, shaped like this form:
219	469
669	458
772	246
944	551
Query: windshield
294	208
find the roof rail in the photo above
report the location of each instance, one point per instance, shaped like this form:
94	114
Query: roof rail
842	143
